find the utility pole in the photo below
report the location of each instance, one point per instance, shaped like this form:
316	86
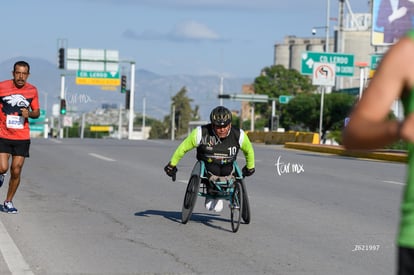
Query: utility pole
131	101
143	117
62	47
120	122
173	122
221	90
327	88
62	97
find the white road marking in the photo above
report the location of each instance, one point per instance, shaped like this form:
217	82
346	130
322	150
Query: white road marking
394	182
11	254
101	157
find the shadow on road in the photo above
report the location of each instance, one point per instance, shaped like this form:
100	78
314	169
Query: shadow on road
175	216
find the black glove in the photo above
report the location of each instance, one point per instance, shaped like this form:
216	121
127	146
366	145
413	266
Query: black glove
171	171
247	172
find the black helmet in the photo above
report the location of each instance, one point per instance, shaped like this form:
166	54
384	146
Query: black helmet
220	116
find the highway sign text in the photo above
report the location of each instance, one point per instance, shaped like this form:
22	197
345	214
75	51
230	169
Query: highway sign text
344	62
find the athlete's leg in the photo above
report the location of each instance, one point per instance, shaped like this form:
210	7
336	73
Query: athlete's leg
4	162
15	172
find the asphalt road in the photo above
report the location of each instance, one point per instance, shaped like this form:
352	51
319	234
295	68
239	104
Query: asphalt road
106	207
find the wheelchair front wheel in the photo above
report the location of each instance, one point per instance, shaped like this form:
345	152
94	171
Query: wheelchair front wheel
236	206
190	198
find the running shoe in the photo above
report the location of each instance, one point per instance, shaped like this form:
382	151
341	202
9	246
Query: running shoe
214	204
219	206
8	207
209	204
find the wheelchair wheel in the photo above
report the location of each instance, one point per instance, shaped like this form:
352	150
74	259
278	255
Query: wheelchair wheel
190	198
246	205
236	206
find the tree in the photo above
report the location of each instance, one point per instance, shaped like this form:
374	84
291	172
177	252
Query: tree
158	130
157	127
275	81
338	106
183	113
303	112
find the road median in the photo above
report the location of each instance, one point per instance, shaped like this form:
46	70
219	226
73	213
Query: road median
387	155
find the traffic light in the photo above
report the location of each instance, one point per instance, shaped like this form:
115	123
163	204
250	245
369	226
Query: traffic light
123	84
63	107
127	99
61	61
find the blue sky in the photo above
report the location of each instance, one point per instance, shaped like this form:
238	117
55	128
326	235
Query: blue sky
234	38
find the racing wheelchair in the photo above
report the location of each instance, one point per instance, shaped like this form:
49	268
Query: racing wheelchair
230	188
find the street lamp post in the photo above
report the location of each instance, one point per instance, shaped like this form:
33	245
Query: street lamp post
45	102
362	75
62	97
131	102
326	27
326	88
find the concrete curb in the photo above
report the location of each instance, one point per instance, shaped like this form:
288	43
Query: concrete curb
387	155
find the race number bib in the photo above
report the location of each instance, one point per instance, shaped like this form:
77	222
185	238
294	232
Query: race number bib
15	122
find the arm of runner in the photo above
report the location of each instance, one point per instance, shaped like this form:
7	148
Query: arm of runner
368	127
247	149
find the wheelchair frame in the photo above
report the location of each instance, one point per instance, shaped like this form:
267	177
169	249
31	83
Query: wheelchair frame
232	189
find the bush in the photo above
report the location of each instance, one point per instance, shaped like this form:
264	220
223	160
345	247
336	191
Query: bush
336	136
399	145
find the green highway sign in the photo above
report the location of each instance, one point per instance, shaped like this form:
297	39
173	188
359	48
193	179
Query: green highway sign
246	97
98	78
375	60
40	119
284	99
37	127
344	62
89	74
38	124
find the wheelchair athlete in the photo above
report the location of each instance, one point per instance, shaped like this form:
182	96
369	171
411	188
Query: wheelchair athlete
217	144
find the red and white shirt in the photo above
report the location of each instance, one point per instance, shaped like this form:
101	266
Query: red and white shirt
12	125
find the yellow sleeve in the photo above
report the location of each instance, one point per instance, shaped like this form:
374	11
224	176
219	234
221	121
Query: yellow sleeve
189	143
247	148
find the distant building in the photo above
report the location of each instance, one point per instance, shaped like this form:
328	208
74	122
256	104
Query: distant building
245	106
354	37
356	40
108	106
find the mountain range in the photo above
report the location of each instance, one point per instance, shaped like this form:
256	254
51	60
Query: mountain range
155	88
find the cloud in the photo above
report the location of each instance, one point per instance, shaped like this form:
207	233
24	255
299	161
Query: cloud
146	35
191	30
182	32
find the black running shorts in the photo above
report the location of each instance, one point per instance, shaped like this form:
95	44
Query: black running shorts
15	147
405	261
